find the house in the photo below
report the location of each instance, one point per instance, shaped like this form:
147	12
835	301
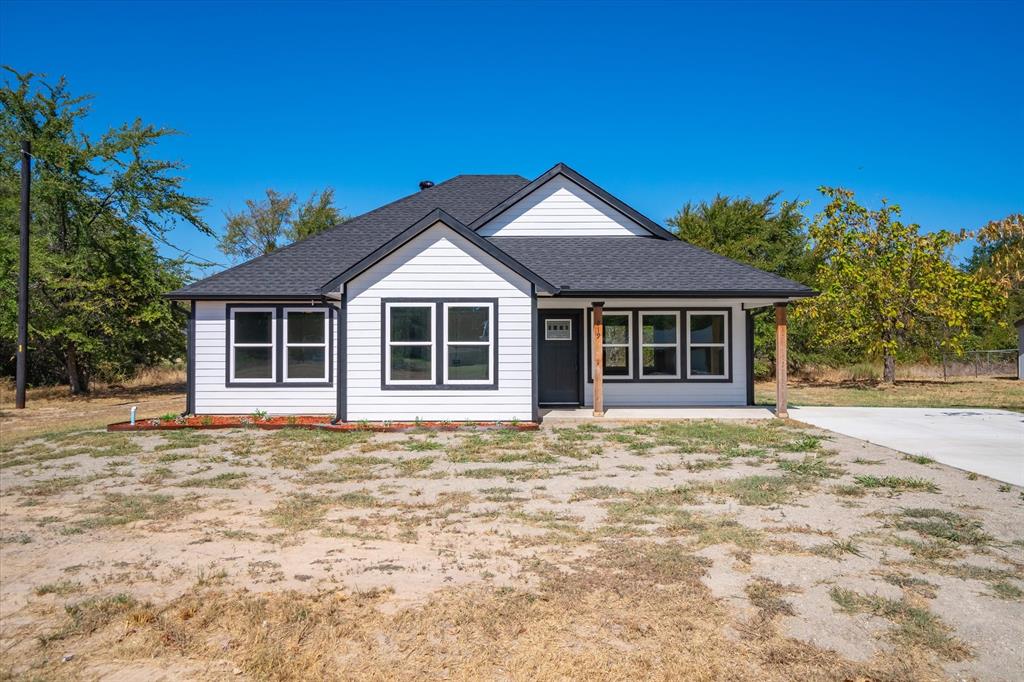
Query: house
484	297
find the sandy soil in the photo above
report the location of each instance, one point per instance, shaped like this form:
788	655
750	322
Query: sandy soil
903	569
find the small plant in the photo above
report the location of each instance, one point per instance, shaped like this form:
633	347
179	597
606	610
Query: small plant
259	415
1005	488
206	420
514	423
918	459
365	424
897	483
972	476
292	420
418	422
169	417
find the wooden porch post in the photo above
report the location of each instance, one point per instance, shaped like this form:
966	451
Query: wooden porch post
780	361
597	337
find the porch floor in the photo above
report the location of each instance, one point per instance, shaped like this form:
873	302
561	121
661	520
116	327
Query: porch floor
634	413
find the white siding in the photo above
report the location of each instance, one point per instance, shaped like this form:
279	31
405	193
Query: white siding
560	207
439	264
670	393
213	397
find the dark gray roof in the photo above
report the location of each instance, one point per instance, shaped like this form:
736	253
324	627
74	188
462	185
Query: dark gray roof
600	265
576	265
300	269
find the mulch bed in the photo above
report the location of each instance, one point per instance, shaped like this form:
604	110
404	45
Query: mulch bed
304	422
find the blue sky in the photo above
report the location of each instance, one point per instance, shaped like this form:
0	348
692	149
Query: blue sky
660	103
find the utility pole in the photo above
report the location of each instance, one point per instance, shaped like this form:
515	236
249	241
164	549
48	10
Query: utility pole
22	358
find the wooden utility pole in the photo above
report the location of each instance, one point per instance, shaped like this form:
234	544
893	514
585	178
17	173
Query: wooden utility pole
21	370
598	344
780	361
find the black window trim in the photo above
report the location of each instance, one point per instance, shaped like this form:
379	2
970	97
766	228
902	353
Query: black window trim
684	349
279	347
439	340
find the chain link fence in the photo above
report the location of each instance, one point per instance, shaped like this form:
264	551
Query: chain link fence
981	363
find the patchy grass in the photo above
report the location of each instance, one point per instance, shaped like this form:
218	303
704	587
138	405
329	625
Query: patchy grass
942	524
117	509
1004	589
897	484
61	588
915	625
919	459
959	392
508	474
89	615
837	549
300	511
816	466
595	492
766	595
413	466
229	480
756	490
183	439
350	468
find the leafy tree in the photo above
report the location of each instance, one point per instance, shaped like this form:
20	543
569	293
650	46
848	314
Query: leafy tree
759	233
258	229
99	204
768	234
999	255
885	286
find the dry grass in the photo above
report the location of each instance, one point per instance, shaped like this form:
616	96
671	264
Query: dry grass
633	611
1007	394
155	391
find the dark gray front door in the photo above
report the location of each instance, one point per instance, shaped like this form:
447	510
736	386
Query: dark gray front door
559	357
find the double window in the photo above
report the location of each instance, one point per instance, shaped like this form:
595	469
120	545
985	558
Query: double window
431	344
278	344
665	345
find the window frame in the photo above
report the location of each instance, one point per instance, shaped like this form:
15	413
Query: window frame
684	346
439	326
641	313
277	352
566	320
445	306
389	344
232	345
724	345
285	345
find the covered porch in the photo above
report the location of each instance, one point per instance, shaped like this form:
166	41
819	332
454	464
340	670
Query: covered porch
647	413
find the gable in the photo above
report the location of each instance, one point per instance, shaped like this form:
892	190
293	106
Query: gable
562	208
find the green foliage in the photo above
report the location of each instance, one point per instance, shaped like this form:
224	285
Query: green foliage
885	287
99	204
999	256
264	223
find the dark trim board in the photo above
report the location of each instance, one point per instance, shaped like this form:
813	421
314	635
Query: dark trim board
438	384
534	356
279	347
749	317
190	340
341	410
684	343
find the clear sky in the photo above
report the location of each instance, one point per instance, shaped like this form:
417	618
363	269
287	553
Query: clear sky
660	103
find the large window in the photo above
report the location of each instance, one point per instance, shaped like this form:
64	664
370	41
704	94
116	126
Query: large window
659	345
438	344
252	342
707	333
305	340
276	344
468	349
410	343
618	344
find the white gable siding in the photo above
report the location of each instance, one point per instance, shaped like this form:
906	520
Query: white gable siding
213	397
558	208
670	393
435	265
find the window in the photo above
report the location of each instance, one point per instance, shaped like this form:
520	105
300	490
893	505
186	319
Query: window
659	345
557	330
618	345
305	341
468	343
410	343
707	333
253	335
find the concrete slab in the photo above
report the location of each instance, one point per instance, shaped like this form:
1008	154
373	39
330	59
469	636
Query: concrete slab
644	413
987	442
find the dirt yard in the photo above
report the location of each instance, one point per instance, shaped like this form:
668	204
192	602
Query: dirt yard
676	550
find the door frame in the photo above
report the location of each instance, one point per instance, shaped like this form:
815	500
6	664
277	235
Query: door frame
577	315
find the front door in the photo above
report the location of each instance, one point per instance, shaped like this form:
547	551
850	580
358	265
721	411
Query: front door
559	357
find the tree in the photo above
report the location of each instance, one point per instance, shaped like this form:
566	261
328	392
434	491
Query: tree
886	286
754	232
768	234
257	230
999	256
99	205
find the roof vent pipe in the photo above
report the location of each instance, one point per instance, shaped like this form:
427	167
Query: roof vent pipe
426	184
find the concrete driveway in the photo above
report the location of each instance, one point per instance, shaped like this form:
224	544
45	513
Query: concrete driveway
987	442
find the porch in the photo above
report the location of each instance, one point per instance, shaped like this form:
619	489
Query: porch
641	413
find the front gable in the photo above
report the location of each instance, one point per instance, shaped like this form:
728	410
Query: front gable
563	203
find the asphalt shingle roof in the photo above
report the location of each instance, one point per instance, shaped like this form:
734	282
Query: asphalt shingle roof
640	264
591	264
300	269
